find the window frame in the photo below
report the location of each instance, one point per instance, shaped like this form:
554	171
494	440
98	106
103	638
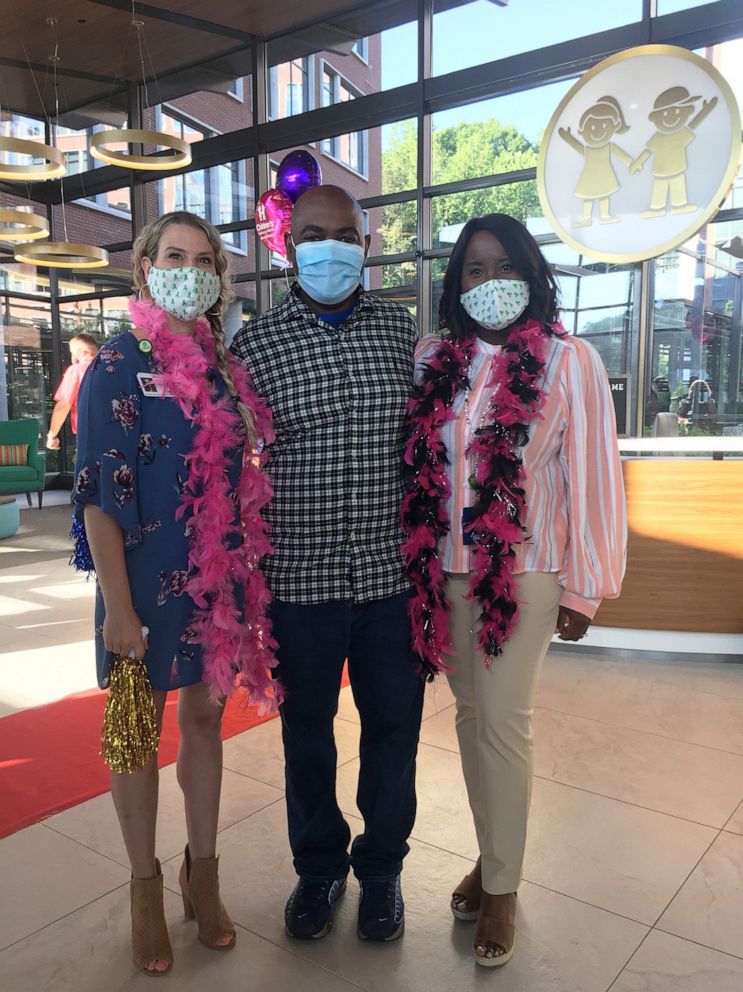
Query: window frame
238	92
362	54
330	146
238	239
274	109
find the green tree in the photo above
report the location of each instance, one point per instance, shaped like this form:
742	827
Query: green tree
463	151
399	170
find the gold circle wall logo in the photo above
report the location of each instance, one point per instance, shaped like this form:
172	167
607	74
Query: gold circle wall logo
639	154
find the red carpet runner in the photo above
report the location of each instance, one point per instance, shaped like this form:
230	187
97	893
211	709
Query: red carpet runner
50	755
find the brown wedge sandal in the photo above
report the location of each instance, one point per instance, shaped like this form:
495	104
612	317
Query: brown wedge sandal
150	940
495	932
465	899
199	880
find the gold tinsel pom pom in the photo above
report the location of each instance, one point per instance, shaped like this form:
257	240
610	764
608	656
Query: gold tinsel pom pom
129	737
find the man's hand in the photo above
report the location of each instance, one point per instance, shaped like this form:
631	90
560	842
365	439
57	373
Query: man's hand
571	625
53	443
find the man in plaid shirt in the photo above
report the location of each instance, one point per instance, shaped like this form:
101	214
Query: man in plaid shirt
335	365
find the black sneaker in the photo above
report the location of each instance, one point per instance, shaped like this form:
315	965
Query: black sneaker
381	910
309	911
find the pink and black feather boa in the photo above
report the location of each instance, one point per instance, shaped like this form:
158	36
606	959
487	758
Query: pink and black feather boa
224	554
497	483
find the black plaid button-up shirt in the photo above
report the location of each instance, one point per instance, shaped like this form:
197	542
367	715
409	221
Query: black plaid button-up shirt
338	397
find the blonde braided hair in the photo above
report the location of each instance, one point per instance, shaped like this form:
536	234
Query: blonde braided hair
147	244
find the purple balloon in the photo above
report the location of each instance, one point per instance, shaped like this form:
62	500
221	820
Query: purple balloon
298	171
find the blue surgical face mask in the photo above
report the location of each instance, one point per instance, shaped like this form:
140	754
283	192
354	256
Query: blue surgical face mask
329	271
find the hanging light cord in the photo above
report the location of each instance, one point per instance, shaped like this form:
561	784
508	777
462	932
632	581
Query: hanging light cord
54	59
139	24
42	104
144	47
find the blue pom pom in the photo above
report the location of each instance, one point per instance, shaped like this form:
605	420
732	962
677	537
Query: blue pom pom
81	558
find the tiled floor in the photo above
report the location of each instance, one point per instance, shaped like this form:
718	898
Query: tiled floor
633	876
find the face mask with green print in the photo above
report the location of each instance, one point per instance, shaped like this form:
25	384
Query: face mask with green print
185	292
496	303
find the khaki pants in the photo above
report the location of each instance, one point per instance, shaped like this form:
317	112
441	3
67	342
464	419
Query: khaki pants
494	712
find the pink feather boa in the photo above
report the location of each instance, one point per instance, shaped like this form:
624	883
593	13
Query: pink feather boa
238	649
497	485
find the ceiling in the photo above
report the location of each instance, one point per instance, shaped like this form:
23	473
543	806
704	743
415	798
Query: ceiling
183	52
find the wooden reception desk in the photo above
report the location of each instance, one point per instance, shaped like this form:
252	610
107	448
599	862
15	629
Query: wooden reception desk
685	548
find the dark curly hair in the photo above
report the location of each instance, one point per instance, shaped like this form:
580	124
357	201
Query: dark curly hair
524	254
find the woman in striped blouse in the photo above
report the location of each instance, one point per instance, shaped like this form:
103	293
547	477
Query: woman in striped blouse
515	528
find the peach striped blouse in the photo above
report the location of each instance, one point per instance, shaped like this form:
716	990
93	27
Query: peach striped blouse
576	518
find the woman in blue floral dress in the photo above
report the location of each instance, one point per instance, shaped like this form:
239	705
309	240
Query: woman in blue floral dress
168	495
131	464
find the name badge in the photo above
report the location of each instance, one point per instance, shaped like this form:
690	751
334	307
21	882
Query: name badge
152	385
467	518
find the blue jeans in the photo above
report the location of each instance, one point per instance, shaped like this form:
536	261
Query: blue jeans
314	641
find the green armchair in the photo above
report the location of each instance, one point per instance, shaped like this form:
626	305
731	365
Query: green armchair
28	478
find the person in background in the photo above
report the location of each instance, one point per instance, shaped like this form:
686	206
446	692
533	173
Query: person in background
335	364
658	406
168	494
83	348
515	528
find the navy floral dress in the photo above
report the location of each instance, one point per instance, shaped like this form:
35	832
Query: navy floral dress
132	453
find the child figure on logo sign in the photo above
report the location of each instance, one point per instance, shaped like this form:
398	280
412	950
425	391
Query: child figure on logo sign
598	180
667	147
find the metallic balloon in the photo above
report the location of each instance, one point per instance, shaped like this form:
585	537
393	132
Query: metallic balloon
273	218
298	171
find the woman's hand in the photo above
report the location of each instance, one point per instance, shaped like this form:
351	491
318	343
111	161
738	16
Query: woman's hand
122	633
122	628
571	625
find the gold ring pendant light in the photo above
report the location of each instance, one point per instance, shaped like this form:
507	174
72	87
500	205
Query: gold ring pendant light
63	255
52	168
180	150
50	254
21	225
180	157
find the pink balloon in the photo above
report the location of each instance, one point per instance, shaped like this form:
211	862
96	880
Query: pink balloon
273	218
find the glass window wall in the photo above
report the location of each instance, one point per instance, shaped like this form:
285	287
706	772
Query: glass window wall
691	341
487	30
673	6
694	385
76	148
350	150
492	136
218	110
26	369
224	195
451	211
291	88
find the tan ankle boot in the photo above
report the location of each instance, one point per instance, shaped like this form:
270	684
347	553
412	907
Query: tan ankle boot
199	880
150	940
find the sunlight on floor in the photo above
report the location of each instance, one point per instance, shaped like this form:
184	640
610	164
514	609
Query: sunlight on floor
634	862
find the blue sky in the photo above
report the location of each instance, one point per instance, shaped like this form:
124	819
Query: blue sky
482	32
